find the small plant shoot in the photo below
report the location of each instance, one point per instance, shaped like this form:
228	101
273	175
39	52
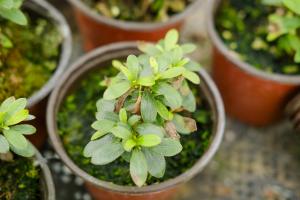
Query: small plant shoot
12	130
146	108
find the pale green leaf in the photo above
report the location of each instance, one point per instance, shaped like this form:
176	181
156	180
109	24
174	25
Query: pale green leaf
133	66
163	111
147	81
14	15
191	76
188	48
171	39
148	128
129	144
156	163
118	65
15	138
293	5
123	115
24	129
17	117
172	73
92	146
138	168
116	90
171	95
28	151
148	140
121	132
107	153
4	146
168	147
134	119
148	109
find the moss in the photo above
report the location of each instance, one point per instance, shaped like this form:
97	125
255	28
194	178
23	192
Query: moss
133	10
19	180
243	26
28	56
78	112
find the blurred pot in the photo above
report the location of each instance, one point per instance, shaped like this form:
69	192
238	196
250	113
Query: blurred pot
37	102
108	191
98	30
250	95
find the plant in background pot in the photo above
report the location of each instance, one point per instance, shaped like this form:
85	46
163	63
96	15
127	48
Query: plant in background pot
35	49
256	56
153	129
21	174
103	22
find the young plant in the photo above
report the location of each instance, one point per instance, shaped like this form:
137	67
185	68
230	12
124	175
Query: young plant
13	112
284	26
144	109
10	9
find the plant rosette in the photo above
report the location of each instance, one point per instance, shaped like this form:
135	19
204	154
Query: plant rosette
35	49
22	167
147	119
104	22
256	56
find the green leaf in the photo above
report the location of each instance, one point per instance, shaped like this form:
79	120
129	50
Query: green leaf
103	127
189	102
134	119
163	111
15	138
116	90
184	125
92	146
4	146
105	105
6	4
168	147
133	66
148	48
118	65
24	129
121	132
6	104
107	153
153	64
14	15
148	128
171	39
148	109
149	140
111	116
138	168
129	144
191	76
172	73
293	5
123	115
146	81
5	41
29	151
14	106
156	163
193	66
17	117
171	95
188	48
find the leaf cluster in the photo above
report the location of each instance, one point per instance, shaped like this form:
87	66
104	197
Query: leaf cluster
12	134
140	115
10	9
284	26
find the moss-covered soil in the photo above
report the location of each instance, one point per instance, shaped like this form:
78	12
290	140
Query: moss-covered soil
78	112
137	10
28	56
243	26
19	180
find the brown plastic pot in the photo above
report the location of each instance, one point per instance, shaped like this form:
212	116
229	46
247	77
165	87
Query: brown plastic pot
46	181
103	190
250	95
98	30
37	102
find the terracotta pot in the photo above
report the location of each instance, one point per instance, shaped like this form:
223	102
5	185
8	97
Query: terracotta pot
98	30
109	191
37	102
46	182
250	95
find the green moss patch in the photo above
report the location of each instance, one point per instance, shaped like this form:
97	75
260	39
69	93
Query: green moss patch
78	112
28	56
19	180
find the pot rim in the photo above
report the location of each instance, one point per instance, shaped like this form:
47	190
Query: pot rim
47	184
45	9
131	25
72	75
212	6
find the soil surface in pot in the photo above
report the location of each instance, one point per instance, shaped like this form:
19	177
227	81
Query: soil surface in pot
77	113
28	55
243	27
19	180
133	10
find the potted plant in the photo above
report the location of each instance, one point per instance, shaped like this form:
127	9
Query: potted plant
35	49
256	56
23	173
104	22
153	130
